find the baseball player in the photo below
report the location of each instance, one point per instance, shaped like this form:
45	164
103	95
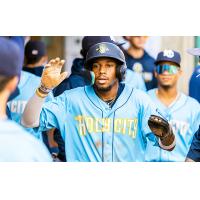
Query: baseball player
35	57
194	84
138	60
19	40
81	77
182	112
15	143
28	83
107	121
194	151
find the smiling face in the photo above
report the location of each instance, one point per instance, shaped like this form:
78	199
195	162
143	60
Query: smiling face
105	74
167	74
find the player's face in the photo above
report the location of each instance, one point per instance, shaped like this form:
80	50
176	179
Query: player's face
138	41
167	74
105	73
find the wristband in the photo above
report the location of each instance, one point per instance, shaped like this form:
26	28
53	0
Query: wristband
40	94
44	89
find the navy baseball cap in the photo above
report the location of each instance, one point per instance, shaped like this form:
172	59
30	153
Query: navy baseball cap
10	62
89	41
169	55
35	50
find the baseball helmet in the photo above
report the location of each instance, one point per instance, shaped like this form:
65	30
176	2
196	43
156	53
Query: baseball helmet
107	50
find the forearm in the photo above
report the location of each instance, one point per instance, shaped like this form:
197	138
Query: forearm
31	115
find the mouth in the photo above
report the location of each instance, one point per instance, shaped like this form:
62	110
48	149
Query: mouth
101	80
166	78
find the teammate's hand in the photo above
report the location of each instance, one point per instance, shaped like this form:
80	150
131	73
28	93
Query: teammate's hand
51	76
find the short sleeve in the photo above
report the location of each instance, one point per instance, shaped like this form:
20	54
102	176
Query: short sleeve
194	152
53	113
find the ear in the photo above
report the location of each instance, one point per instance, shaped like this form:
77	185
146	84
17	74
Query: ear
180	72
44	59
12	84
155	73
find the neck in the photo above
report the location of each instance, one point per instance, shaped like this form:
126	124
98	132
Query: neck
108	95
167	95
135	52
3	102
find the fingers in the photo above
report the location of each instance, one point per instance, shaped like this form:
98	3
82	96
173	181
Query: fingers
63	76
55	63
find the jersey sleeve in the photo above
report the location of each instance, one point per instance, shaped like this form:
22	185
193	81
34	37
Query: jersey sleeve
54	113
147	108
194	151
195	117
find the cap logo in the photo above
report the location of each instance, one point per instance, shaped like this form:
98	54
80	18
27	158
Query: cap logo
102	48
168	53
35	52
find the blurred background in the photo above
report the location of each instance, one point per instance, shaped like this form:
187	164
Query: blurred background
68	47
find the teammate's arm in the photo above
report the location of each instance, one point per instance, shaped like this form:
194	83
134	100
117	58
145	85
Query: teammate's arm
51	78
194	152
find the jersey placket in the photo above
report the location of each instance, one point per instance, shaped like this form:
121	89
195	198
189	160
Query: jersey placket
108	136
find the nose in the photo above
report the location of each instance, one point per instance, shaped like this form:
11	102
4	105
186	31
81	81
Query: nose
165	72
102	69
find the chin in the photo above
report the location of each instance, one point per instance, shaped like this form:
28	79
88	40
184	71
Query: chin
166	86
103	88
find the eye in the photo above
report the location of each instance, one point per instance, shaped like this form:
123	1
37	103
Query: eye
95	65
110	65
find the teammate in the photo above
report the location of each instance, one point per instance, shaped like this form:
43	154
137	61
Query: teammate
19	40
182	112
194	85
194	151
15	143
35	57
138	60
103	122
27	85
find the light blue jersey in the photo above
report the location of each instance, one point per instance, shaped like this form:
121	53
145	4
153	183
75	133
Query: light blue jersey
184	116
93	131
135	80
16	145
27	86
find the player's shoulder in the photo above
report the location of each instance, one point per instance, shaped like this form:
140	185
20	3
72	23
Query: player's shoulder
148	56
191	100
133	74
136	93
12	129
28	78
152	92
72	94
7	125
